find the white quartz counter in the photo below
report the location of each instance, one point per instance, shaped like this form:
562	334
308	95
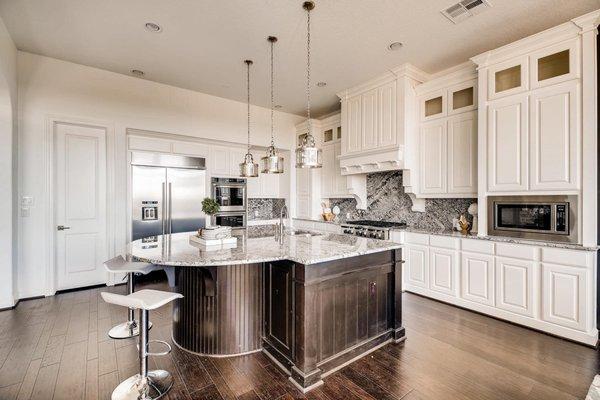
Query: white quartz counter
255	247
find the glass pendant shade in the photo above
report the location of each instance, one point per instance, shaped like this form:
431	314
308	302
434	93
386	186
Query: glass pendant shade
248	169
308	155
272	163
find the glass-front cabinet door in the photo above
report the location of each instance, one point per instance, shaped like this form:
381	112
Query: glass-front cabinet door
554	64
509	77
462	97
433	105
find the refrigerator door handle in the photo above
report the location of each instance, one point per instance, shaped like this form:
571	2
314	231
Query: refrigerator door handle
170	207
164	200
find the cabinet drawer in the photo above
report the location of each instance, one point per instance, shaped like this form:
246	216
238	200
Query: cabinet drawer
515	251
565	257
445	242
478	246
416	238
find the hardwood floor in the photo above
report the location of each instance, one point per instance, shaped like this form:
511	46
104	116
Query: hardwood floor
57	348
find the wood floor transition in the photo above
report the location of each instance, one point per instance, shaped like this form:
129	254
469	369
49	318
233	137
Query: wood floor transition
57	348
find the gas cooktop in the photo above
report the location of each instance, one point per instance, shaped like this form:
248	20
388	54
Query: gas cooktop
377	224
371	229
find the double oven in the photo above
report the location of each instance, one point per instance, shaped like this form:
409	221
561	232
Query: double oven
231	195
546	218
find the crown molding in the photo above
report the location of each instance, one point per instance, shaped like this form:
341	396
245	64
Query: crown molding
588	22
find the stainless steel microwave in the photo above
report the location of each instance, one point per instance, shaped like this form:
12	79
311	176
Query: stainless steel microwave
547	218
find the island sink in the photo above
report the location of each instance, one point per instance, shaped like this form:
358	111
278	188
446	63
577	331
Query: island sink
313	304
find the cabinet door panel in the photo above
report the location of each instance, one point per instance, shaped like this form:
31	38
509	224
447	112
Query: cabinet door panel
417	260
369	119
507	144
514	285
477	272
433	157
508	78
462	153
564	295
219	161
279	302
387	115
443	269
354	125
555	64
554	134
236	156
341	186
328	171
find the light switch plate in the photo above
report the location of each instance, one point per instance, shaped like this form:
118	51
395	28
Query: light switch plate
26	201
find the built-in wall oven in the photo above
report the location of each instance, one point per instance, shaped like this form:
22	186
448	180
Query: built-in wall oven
230	194
547	218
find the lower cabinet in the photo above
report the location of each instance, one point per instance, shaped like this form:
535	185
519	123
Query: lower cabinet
444	270
564	295
545	288
515	285
477	272
417	265
279	305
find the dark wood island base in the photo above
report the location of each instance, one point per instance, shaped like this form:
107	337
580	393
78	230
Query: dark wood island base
310	319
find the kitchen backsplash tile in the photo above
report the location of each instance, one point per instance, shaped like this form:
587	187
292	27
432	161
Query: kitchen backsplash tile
387	201
259	209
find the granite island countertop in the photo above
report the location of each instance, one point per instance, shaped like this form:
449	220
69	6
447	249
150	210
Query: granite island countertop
255	246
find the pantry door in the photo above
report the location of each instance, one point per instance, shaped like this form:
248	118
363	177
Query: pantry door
80	205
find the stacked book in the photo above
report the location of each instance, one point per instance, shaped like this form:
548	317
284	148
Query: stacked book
215	238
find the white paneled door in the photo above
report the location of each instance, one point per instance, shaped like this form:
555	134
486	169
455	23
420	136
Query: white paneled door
80	205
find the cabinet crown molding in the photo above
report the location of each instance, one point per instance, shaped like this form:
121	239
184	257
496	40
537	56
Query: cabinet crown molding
460	73
566	31
588	21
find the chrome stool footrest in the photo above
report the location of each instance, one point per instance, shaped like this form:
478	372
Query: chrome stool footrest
157	383
162	353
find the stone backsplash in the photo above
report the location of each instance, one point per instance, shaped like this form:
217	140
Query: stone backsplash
386	201
260	209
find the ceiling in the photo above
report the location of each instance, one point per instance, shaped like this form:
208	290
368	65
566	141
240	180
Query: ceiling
203	43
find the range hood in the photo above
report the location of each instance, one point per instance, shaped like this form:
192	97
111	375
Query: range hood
390	100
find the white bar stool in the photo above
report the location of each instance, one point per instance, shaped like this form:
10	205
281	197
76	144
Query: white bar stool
119	265
147	385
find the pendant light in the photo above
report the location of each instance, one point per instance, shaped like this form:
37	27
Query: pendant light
272	163
307	153
248	169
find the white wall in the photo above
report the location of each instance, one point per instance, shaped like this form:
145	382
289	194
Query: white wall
8	157
50	88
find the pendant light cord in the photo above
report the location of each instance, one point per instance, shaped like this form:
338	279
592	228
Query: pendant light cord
308	73
272	99
248	100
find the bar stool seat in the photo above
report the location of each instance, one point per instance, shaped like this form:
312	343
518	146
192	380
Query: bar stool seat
118	265
146	385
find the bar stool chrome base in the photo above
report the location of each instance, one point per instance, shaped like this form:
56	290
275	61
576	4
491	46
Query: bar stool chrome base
126	330
157	384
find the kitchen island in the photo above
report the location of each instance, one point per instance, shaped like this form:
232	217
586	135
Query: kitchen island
313	303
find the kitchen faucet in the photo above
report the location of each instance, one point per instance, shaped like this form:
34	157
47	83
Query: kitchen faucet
280	228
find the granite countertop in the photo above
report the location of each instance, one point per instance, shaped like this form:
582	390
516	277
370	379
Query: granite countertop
255	246
505	239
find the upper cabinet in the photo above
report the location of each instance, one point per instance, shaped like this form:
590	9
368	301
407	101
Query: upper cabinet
333	183
447	135
532	113
369	119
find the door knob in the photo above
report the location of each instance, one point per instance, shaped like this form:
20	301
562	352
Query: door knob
62	227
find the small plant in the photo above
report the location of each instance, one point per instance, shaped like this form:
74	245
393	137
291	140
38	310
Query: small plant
210	206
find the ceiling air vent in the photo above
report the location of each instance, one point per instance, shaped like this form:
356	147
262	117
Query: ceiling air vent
465	9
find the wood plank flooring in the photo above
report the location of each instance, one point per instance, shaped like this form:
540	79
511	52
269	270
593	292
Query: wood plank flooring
57	348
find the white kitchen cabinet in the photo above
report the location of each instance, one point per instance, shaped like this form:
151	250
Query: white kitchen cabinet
443	270
433	157
191	149
462	97
386	117
554	64
220	161
369	119
149	144
353	138
333	183
554	137
514	285
462	153
507	139
417	266
433	105
564	295
477	278
508	78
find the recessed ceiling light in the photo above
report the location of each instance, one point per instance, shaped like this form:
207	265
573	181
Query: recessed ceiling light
278	106
137	72
394	46
152	27
321	84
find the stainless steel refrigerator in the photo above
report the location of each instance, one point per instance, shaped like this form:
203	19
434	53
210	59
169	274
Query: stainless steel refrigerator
167	193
